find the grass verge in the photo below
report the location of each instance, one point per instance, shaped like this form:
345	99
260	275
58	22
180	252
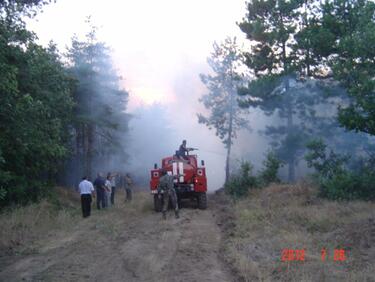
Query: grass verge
292	217
24	225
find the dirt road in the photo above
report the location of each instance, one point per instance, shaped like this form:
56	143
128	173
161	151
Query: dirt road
127	243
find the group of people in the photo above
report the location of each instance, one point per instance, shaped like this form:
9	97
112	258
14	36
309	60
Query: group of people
104	189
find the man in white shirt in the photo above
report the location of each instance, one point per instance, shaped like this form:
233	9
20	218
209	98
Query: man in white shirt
114	180
86	189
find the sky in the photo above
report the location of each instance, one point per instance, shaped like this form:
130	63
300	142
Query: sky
159	48
152	40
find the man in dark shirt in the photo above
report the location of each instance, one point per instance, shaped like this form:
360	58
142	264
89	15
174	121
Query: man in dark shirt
99	184
183	150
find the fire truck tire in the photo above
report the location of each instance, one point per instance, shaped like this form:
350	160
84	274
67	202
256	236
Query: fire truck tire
202	201
158	205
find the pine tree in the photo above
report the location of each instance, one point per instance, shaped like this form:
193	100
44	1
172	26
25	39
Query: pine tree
351	58
281	61
101	121
225	114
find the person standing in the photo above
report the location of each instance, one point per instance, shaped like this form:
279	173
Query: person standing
114	180
167	193
99	185
128	187
86	190
108	190
183	151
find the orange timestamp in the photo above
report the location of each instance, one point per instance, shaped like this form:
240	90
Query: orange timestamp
300	254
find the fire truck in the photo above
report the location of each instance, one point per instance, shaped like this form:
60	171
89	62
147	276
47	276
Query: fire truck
190	179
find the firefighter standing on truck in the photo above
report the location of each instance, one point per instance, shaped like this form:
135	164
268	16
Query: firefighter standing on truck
167	192
183	151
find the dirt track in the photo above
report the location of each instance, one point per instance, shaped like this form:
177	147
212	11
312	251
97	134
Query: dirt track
127	243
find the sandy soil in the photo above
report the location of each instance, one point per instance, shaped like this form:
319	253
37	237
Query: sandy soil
127	243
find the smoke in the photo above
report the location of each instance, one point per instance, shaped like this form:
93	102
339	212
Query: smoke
168	72
315	107
151	138
160	52
175	119
157	130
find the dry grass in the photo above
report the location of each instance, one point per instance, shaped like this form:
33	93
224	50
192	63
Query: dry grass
292	217
111	220
141	203
22	226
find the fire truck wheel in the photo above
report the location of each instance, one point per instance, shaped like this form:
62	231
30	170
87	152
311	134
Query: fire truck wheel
158	205
202	201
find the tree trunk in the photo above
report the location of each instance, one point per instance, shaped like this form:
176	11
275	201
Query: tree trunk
306	22
291	169
291	159
86	151
80	152
90	150
91	125
229	145
227	164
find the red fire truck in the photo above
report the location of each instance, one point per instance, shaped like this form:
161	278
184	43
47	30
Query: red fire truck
190	180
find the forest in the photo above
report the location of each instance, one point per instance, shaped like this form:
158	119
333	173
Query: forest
59	112
307	65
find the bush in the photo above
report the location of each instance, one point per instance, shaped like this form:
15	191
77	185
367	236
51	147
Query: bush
326	165
239	183
335	180
18	190
271	167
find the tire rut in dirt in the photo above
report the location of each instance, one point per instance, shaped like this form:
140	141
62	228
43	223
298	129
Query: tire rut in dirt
143	248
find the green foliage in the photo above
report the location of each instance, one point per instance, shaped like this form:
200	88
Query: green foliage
242	181
15	9
335	180
35	112
239	183
341	38
271	166
42	102
349	185
293	42
225	115
326	164
333	37
100	122
294	106
281	60
4	179
269	24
